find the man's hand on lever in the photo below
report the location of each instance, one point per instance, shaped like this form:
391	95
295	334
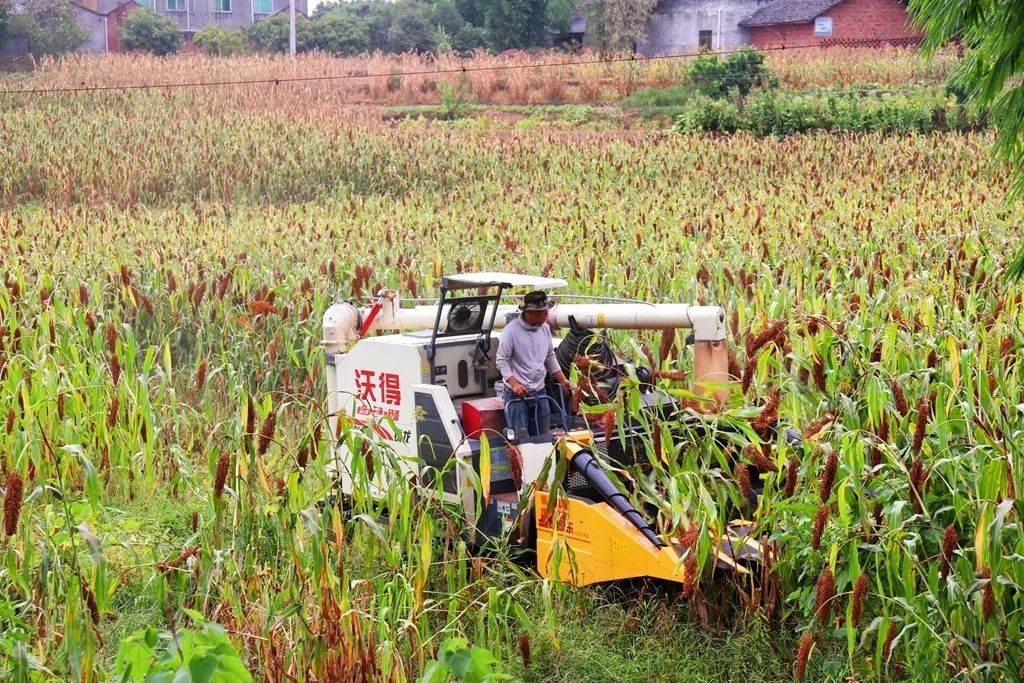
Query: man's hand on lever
517	387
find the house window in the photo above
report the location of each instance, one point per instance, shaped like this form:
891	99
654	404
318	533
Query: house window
175	5
263	6
222	6
144	3
704	40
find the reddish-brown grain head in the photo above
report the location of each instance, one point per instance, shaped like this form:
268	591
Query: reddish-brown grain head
820	519
524	649
803	654
792	471
220	477
90	603
767	418
899	398
860	593
111	333
824	592
201	375
115	369
988	596
742	476
267	433
13	495
828	477
112	412
949	545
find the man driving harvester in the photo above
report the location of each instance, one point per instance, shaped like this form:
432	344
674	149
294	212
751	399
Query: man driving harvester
526	356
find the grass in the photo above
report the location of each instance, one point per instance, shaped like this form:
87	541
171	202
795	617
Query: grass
608	636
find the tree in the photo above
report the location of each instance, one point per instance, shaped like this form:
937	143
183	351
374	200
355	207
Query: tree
50	27
991	71
220	42
339	33
516	24
5	16
558	14
271	35
144	29
617	25
740	72
411	29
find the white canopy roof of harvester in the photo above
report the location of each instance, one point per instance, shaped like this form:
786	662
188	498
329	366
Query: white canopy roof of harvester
469	280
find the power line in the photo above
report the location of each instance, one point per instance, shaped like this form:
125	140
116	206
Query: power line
83	88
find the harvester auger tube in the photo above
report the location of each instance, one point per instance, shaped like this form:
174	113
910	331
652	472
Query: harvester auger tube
584	462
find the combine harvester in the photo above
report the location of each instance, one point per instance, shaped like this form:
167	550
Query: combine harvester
429	391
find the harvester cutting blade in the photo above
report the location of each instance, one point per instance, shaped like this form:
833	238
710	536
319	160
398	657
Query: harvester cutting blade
737	547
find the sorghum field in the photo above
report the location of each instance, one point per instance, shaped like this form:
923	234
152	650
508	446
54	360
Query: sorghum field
167	256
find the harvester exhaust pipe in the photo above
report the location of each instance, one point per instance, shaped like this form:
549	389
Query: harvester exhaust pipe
584	462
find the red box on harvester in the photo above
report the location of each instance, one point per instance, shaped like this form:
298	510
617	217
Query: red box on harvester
483	415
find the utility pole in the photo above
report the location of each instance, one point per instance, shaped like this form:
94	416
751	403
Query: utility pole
291	27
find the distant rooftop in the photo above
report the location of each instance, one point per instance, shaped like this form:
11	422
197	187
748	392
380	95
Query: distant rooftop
789	12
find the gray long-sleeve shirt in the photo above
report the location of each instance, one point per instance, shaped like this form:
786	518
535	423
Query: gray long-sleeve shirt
526	353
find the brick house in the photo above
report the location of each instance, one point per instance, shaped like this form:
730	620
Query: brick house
828	23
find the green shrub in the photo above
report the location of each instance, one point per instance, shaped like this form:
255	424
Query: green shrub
144	29
740	72
707	115
783	113
221	43
646	98
454	100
